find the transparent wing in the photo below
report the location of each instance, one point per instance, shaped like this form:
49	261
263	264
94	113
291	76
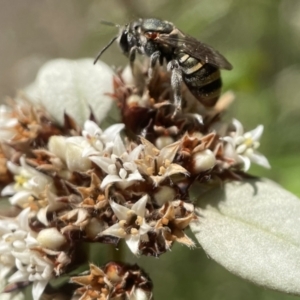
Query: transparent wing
196	49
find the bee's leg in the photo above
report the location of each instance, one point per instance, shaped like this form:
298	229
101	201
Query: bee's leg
176	80
132	54
155	56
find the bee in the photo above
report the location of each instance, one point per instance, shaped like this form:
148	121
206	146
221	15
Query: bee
189	60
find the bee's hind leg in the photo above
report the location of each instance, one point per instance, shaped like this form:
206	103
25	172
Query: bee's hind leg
176	80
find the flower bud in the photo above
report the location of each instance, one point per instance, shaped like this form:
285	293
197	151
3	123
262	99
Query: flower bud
57	146
93	228
203	161
163	141
74	155
164	194
51	238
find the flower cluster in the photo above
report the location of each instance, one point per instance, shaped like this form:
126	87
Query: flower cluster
34	257
130	181
115	281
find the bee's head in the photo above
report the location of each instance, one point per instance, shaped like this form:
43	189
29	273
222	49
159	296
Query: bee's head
123	40
129	36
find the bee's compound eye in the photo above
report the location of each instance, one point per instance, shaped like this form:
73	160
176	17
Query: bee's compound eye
124	42
151	35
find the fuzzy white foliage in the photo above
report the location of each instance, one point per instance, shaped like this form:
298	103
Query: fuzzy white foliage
75	87
253	230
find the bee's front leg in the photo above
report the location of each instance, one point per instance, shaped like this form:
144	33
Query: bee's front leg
155	56
132	54
176	80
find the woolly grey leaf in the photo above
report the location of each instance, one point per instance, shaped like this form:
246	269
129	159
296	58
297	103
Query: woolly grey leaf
74	87
252	228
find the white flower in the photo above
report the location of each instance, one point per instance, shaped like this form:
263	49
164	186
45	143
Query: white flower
16	243
99	140
158	164
28	182
35	268
69	152
73	152
8	228
10	234
15	236
120	166
7	123
132	225
50	205
242	146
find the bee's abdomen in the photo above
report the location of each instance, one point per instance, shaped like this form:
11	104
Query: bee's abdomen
203	80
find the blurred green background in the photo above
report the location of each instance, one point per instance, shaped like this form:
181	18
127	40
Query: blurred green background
261	38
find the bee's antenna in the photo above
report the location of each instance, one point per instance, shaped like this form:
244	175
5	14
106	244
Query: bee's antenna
102	50
109	23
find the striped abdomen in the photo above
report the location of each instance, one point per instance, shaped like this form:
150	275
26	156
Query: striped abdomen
203	80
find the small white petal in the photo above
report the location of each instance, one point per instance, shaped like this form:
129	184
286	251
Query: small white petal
119	147
31	241
21	258
135	176
246	162
112	131
230	152
109	179
129	166
238	126
102	162
257	132
260	159
8	190
239	139
91	128
18	245
38	288
169	151
42	215
119	210
135	153
122	173
115	230
23	219
144	228
133	243
241	149
140	206
18	276
15	169
20	198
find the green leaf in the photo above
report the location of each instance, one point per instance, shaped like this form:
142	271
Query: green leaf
252	228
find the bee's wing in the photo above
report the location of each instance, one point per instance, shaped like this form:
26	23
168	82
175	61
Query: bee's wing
196	49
